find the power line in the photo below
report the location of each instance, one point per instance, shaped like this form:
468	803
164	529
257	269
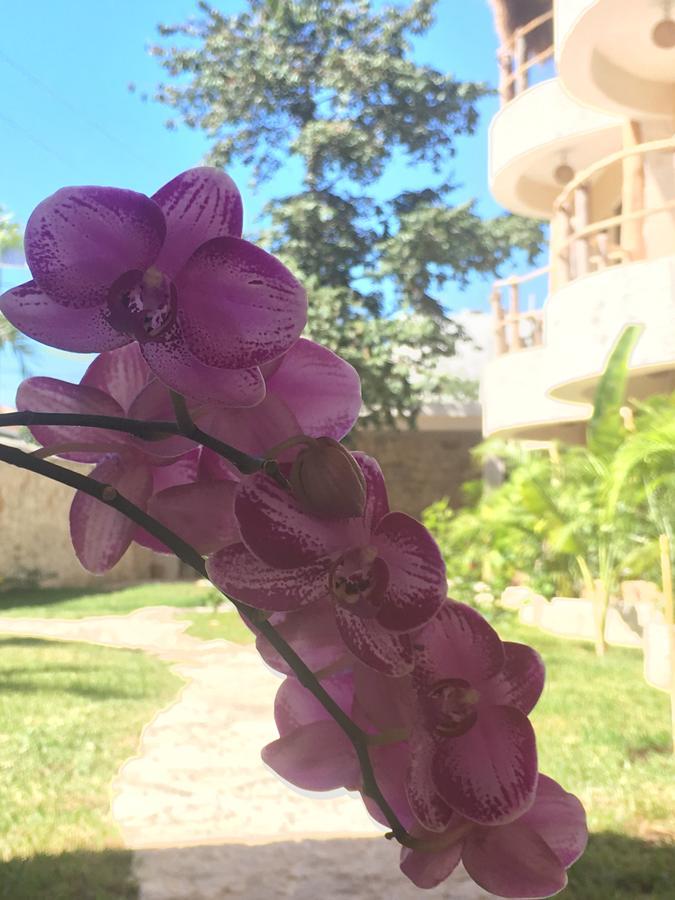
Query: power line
64	101
31	137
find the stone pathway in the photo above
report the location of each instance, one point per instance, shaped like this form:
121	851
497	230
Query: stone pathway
206	819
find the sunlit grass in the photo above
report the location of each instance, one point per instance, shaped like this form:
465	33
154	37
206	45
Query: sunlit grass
70	714
209	626
604	733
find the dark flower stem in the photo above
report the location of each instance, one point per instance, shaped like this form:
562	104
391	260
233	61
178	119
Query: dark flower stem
149	431
107	494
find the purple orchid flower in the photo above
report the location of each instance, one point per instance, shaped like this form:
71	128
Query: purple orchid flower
171	271
472	747
525	859
382	571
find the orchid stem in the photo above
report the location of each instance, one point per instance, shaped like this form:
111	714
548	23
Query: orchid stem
107	494
149	431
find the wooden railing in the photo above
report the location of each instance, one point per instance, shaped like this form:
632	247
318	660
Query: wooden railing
580	246
517	324
514	63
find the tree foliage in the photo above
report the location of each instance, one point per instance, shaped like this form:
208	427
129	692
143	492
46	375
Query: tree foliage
333	84
10	239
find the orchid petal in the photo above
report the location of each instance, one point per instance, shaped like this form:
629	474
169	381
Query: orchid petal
174	364
559	818
237	572
380	703
198	205
276	529
201	513
390	763
428	869
312	632
489	774
320	387
257	429
513	861
417	581
378	648
100	534
80	330
294	705
121	373
81	240
521	681
316	757
377	502
431	811
57	396
477	653
238	305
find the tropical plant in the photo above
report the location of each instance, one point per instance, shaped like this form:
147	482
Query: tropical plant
573	518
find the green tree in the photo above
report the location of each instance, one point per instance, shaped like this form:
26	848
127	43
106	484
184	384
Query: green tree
333	84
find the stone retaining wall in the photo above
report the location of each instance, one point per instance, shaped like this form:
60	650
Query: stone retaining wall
35	543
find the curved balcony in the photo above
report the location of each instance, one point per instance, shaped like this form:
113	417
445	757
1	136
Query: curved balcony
637	184
606	271
584	319
516	403
617	56
535	138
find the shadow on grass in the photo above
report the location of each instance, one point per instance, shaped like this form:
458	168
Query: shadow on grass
81	875
615	867
18	597
620	867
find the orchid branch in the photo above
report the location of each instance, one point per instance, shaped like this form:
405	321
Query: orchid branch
109	495
149	431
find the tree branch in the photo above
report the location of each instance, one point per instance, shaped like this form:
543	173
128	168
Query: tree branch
107	494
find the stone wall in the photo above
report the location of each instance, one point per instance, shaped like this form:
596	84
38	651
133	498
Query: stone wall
35	541
421	466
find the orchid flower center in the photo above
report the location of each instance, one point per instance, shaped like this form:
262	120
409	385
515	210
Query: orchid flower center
452	707
142	304
358	579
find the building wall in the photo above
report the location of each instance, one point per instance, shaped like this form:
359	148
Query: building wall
35	541
421	467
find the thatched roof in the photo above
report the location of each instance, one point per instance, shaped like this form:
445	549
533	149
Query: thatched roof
511	14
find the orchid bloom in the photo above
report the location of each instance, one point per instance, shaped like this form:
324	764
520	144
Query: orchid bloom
171	271
473	749
525	859
382	571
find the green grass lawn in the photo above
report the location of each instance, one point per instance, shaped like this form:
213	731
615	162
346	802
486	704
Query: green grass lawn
70	714
226	625
75	603
605	735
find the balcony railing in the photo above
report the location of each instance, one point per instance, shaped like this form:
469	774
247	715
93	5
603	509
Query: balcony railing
580	246
516	65
516	310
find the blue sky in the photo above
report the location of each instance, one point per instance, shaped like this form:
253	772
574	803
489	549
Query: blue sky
67	117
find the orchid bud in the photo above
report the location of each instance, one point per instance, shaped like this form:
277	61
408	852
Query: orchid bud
327	481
